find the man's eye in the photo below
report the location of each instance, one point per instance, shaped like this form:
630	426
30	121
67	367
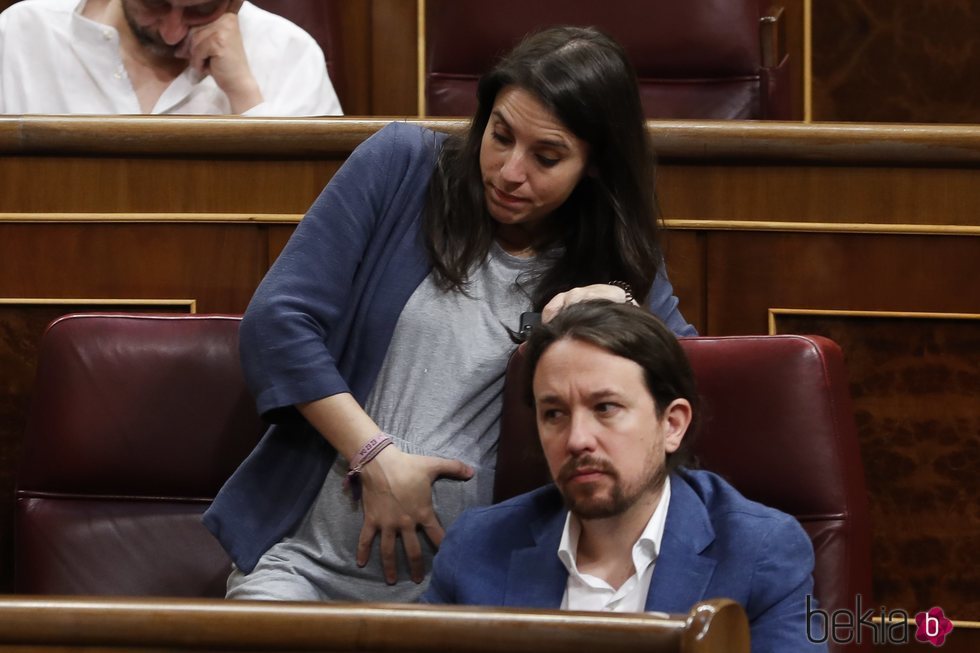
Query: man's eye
606	408
200	11
547	161
500	138
550	415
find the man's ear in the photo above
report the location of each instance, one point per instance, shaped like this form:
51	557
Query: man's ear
676	419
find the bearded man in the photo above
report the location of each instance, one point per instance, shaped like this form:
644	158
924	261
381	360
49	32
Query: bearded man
159	57
626	526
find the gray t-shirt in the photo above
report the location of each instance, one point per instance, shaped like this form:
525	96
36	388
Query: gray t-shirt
438	393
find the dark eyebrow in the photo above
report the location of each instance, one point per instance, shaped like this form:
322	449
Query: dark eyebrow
547	142
547	399
603	394
598	395
560	145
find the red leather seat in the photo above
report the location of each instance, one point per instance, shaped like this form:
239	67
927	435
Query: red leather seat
323	20
698	60
137	421
778	424
135	424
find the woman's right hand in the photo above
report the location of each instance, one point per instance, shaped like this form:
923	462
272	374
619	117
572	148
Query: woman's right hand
397	501
581	294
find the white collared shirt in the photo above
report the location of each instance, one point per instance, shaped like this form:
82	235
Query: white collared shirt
54	60
587	592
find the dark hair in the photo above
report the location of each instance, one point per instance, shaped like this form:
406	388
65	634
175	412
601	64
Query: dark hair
585	79
632	333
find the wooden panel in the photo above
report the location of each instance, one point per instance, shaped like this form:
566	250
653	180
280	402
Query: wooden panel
356	37
278	235
685	254
394	58
886	61
874	194
749	273
40	184
218	265
793	18
915	383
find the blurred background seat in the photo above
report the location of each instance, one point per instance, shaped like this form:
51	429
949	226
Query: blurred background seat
711	59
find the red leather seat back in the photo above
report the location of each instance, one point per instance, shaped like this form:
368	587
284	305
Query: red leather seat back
777	423
135	424
697	60
324	21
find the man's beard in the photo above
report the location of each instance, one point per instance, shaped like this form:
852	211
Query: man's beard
587	502
152	44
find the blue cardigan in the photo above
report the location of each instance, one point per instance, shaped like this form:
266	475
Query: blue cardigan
716	544
320	323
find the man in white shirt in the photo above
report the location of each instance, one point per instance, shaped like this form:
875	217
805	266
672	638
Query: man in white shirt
159	57
626	527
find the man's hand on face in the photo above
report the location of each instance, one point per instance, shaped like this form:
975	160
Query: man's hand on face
216	49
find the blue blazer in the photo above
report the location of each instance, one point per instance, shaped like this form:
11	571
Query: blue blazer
716	544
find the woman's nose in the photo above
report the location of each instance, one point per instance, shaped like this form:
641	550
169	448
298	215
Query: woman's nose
513	168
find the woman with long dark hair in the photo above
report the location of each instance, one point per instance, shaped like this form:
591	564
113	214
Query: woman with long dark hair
383	330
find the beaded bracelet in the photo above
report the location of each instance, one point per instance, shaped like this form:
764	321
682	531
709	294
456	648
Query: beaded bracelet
365	454
626	288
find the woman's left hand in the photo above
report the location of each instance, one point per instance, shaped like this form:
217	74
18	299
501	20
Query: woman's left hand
581	294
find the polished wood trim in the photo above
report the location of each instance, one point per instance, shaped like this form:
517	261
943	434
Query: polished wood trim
87	301
823	227
420	54
957	623
679	224
839	143
774	313
213	137
206	218
717	142
202	624
807	61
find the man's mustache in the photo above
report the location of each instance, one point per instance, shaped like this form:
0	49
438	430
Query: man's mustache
582	463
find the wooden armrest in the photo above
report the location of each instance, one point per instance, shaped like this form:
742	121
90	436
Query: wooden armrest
134	624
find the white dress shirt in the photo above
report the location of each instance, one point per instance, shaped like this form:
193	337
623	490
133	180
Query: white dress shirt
587	592
54	60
